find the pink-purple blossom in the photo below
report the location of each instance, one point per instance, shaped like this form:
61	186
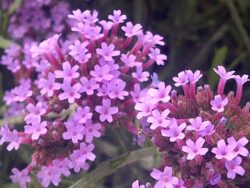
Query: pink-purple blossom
21	177
221	71
36	129
70	92
159	119
174	131
194	148
106	111
164	178
48	175
107	51
48	85
233	167
224	151
218	104
74	131
68	72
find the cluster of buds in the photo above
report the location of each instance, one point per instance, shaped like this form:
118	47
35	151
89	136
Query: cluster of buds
204	135
72	90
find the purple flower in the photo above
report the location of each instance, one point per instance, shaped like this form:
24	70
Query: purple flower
181	80
44	47
198	125
174	131
215	179
241	79
36	129
221	71
35	112
156	55
20	177
116	89
137	185
180	184
48	86
92	130
86	150
194	149
78	159
101	73
145	108
193	77
218	104
139	75
79	51
49	174
22	91
107	51
224	151
106	111
132	30
10	136
88	86
117	17
107	25
4	133
130	60
70	92
74	131
137	93
78	15
208	130
62	165
159	119
82	114
165	178
233	167
14	140
161	94
68	72
239	149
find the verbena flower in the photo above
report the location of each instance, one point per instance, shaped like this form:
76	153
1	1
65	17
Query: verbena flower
206	142
78	87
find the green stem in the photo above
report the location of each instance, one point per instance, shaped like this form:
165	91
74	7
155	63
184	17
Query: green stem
109	167
238	23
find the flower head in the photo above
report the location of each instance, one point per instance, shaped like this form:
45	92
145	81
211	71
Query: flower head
194	148
233	167
106	111
20	177
165	178
223	151
218	104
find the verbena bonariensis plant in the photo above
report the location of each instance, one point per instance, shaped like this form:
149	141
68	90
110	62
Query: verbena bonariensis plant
38	19
33	21
204	135
72	90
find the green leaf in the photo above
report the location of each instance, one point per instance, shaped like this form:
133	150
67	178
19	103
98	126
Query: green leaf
109	167
14	6
218	59
4	43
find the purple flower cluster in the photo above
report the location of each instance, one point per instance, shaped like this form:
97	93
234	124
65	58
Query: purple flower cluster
37	18
32	22
71	90
204	136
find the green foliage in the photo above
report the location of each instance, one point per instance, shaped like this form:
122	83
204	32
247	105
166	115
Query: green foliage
111	166
4	43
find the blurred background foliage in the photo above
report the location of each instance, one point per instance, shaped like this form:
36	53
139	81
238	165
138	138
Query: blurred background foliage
199	34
